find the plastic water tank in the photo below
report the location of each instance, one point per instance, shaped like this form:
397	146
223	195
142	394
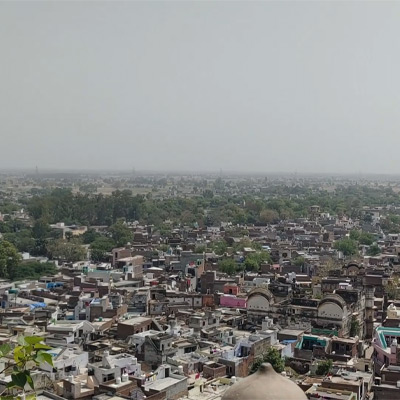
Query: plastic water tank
125	377
105	355
180	369
233	379
118	380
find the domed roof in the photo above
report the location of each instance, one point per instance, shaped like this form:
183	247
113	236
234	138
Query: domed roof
265	384
333	298
261	291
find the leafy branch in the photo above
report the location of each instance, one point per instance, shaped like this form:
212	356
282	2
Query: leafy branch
30	352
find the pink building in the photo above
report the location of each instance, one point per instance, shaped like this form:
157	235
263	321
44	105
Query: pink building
232	301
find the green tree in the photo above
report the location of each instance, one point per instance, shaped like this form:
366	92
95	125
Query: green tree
374	250
354	327
100	248
34	270
268	216
68	236
251	264
273	357
347	246
29	353
324	367
219	247
9	259
366	238
120	233
227	266
40	229
253	261
90	236
299	261
200	248
66	250
354	234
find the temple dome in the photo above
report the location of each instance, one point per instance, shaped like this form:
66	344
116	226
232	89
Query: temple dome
265	384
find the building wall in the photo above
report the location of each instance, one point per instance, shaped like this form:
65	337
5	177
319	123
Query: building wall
177	391
232	301
214	371
330	310
125	330
257	302
386	392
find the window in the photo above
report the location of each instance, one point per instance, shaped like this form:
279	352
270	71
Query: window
109	377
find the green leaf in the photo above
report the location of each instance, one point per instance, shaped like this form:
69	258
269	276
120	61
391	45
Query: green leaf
4	349
43	357
18	380
21	340
33	339
41	346
29	380
19	354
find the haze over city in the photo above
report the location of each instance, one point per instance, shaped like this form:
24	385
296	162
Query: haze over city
199	200
203	86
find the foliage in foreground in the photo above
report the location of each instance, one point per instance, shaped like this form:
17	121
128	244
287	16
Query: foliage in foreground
29	352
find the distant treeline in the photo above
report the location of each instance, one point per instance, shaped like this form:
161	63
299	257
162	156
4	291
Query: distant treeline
207	208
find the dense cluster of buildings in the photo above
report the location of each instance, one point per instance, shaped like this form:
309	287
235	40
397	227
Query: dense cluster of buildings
166	324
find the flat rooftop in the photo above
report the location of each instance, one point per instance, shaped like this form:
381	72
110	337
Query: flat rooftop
135	320
162	384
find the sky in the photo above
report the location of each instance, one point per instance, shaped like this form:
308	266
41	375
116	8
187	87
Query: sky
201	86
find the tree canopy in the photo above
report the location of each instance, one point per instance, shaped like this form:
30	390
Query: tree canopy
228	266
62	249
9	259
347	246
273	357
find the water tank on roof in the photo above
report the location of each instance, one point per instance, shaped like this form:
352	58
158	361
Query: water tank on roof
118	380
125	377
105	355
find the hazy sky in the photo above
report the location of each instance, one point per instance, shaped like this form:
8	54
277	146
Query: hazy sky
241	86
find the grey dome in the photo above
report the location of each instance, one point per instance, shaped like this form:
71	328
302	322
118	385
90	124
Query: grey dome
265	384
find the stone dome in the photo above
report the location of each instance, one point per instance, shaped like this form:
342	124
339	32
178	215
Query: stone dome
265	384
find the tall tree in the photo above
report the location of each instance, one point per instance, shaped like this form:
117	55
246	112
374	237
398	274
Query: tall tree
121	234
9	259
228	266
347	246
66	250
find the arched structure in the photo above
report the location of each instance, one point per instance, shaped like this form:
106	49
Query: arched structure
258	304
